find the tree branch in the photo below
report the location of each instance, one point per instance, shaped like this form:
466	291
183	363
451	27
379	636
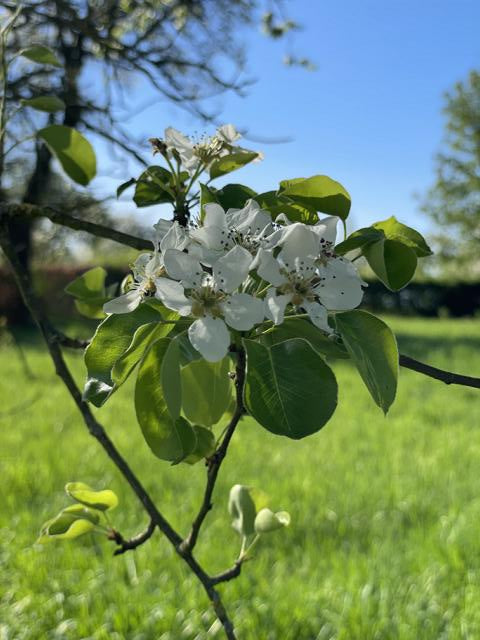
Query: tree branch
24	210
50	336
134	542
438	374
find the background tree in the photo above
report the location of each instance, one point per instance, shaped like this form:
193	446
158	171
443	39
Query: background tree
453	202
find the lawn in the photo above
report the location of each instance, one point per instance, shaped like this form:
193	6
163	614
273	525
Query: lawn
385	534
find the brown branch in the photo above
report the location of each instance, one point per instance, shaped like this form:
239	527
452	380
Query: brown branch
97	431
216	460
229	574
24	210
134	542
438	374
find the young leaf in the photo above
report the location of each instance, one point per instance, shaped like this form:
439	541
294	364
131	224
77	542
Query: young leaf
234	196
100	500
49	104
72	150
153	187
267	521
206	391
395	230
359	239
70	523
112	338
373	348
207	195
231	162
242	509
158	401
89	285
295	327
124	186
204	447
277	203
393	262
319	192
40	54
289	388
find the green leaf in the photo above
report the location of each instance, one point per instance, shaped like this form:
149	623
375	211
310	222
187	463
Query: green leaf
112	338
89	285
267	521
319	192
124	186
101	500
373	348
158	401
207	195
277	203
393	262
289	388
234	196
153	187
72	150
359	239
204	446
231	162
70	523
41	54
242	509
92	308
49	104
395	230
206	391
295	327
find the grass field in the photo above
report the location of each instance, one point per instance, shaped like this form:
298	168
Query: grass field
385	534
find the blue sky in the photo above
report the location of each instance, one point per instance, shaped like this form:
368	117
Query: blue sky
369	116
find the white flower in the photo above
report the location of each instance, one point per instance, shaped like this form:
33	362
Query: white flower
148	267
210	298
220	231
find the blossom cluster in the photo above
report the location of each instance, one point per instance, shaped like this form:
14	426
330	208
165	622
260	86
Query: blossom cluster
239	269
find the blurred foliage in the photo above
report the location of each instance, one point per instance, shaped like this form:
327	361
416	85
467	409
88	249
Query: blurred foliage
453	203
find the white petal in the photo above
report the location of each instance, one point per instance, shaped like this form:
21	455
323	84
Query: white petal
275	306
250	220
205	256
177	140
326	228
140	264
268	268
242	311
228	133
298	240
175	238
318	315
342	287
184	267
232	269
162	227
212	237
124	304
210	337
172	295
214	216
154	265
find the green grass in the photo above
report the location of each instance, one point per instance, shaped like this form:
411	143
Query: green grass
385	534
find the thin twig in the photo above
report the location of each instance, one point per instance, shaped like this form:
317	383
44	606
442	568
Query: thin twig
125	545
438	374
24	210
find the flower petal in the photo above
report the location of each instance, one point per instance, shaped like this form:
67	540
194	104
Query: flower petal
251	220
124	304
214	216
342	287
228	133
318	315
242	311
177	140
172	295
298	240
232	269
326	228
275	306
175	238
210	337
184	267
268	268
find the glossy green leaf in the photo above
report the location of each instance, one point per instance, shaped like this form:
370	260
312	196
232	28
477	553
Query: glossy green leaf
70	523
112	338
101	500
40	54
289	388
89	285
277	203
373	348
72	150
395	230
241	508
153	187
392	262
206	391
319	192
204	445
267	521
234	196
295	327
124	186
359	239
92	308
158	401
48	104
231	162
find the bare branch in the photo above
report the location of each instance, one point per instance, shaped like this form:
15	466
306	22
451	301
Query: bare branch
132	543
24	210
438	374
